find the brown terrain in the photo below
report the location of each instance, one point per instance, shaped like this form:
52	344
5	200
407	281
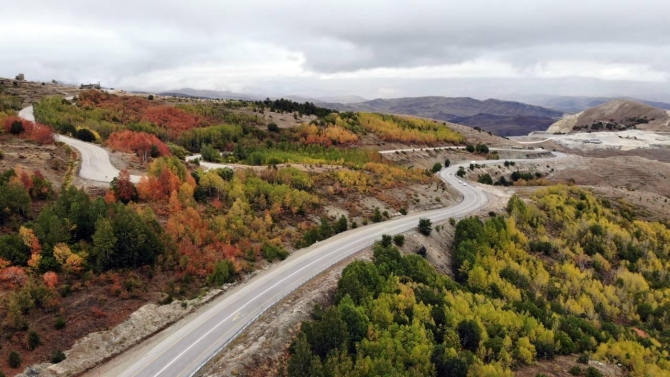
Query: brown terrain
30	91
615	115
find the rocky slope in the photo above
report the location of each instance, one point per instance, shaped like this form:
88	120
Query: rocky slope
615	115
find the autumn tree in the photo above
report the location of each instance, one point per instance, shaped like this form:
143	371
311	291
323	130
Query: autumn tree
144	145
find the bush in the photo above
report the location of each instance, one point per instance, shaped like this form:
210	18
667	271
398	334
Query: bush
16	128
437	167
399	239
583	359
425	226
593	372
60	323
447	163
386	240
422	251
32	340
492	214
452	221
224	272
273	127
485	179
470	148
575	370
14	359
209	153
86	135
377	217
57	357
403	211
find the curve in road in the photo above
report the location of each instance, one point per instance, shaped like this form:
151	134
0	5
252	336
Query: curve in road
187	349
191	346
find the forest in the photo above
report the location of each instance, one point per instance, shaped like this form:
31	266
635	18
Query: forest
567	273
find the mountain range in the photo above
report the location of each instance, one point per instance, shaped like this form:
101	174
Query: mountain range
504	118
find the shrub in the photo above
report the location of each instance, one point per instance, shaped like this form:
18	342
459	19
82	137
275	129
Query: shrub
575	370
16	128
60	323
273	127
386	240
437	167
447	163
403	211
86	135
209	153
425	226
377	217
224	272
470	148
452	221
14	359
593	372
32	340
57	357
583	359
399	239
422	251
492	214
485	179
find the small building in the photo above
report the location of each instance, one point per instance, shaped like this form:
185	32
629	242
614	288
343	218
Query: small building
90	86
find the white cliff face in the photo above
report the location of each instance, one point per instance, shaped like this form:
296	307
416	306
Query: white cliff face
565	124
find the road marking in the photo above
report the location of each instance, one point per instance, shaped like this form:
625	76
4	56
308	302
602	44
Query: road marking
236	316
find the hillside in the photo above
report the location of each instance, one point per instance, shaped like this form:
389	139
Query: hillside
575	104
615	115
505	118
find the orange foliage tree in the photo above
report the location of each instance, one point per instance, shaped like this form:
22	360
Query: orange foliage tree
173	120
143	144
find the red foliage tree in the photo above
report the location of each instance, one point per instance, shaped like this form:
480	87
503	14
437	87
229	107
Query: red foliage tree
173	120
38	132
123	189
140	143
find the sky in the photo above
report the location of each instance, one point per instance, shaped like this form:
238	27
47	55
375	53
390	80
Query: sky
369	48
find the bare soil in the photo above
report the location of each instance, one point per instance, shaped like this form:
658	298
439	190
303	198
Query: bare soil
559	367
50	160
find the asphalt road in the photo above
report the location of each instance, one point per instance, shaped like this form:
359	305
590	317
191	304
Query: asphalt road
191	346
188	348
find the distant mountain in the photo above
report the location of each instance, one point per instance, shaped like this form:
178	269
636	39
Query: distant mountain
575	104
506	125
328	99
615	115
189	92
505	118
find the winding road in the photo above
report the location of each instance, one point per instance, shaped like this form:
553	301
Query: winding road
189	347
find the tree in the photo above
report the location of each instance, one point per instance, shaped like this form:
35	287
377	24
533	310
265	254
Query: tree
140	143
377	216
32	340
460	172
470	335
447	162
14	359
301	358
399	240
84	134
470	148
123	188
485	179
436	167
272	127
341	225
425	226
209	153
224	272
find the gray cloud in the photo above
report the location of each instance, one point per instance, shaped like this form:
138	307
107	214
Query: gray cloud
246	45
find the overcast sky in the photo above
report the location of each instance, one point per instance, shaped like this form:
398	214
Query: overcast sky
370	48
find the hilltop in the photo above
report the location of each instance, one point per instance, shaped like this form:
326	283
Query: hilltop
575	104
504	118
619	114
